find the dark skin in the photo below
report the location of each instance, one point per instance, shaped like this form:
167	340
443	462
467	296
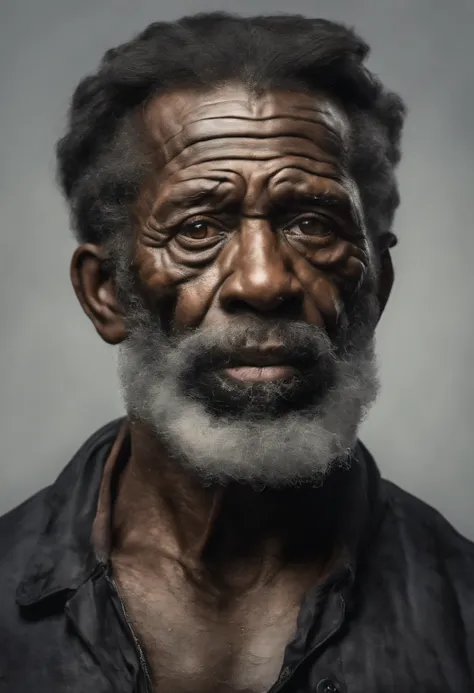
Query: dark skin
252	214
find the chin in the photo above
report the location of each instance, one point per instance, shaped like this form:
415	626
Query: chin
273	433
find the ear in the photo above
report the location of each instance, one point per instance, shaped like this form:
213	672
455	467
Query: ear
96	292
386	275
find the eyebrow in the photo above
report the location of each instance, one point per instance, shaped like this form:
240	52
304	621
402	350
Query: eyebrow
288	201
187	198
330	201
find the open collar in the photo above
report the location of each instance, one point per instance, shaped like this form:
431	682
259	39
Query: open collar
66	555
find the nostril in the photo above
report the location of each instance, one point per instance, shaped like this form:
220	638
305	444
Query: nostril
289	307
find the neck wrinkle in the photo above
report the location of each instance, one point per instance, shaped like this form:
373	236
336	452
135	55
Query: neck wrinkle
160	505
220	534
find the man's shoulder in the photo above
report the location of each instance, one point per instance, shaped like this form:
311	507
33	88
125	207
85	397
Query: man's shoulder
428	536
415	522
20	529
23	521
410	508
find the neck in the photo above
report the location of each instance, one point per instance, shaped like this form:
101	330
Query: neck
220	533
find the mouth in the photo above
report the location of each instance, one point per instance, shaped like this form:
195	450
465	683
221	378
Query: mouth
261	374
260	365
262	381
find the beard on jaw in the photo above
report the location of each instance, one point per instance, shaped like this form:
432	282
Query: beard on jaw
276	433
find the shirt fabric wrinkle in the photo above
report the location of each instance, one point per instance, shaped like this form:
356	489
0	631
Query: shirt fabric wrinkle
62	624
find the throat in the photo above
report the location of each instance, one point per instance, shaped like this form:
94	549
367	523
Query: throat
224	539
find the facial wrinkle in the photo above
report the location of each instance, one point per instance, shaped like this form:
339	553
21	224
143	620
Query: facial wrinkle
220	115
235	127
231	151
183	198
291	182
249	106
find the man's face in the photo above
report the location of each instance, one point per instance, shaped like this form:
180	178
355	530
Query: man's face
250	346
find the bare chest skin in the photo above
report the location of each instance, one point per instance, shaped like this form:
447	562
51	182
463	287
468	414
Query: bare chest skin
201	643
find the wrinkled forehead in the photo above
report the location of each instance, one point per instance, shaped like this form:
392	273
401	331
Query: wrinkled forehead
179	119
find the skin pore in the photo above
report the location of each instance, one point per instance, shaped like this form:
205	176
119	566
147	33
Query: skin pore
251	262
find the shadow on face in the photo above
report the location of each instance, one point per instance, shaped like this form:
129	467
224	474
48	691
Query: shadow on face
250	342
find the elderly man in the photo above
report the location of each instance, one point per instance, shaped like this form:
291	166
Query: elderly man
231	185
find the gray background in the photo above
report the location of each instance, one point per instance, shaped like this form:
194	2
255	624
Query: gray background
58	380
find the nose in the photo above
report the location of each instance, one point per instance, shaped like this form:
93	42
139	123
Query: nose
262	278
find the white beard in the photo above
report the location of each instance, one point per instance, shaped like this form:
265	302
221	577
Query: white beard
297	446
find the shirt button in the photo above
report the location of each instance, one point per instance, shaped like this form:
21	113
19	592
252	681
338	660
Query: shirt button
327	686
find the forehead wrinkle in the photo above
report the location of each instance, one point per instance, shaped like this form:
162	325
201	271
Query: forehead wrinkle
250	120
166	110
254	157
270	100
255	148
243	137
290	116
237	141
324	138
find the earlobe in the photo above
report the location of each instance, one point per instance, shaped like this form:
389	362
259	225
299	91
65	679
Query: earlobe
96	292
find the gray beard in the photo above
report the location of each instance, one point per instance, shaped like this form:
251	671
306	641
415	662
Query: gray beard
303	445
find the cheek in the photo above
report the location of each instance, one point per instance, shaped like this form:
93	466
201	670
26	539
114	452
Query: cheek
181	293
322	301
195	298
328	276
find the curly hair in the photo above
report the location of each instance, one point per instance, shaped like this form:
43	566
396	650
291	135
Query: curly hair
102	161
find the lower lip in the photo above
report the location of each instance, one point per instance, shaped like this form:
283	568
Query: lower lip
260	374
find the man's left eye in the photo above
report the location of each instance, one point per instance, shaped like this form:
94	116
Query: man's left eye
311	226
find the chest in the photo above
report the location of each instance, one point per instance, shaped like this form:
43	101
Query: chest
197	644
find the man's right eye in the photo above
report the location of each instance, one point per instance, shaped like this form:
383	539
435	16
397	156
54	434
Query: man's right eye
199	231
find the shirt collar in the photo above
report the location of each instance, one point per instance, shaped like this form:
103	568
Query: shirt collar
64	557
75	538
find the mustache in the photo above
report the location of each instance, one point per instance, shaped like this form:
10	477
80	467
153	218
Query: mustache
219	346
195	358
299	344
